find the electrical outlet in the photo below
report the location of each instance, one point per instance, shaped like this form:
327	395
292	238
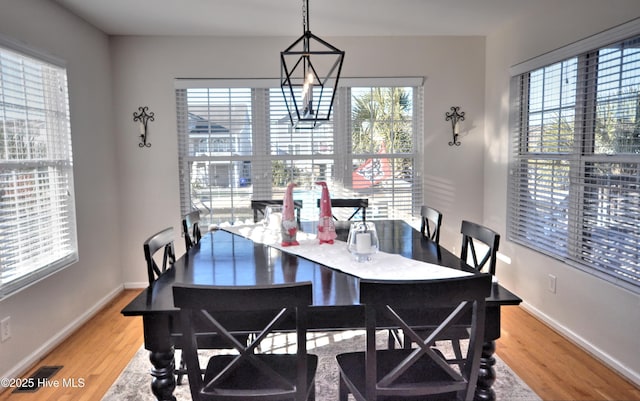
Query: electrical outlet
552	283
5	329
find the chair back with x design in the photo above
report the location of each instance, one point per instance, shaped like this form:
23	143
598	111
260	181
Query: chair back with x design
481	244
431	223
191	229
424	371
249	374
160	241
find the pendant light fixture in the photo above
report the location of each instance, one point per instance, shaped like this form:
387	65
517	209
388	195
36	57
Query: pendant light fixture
309	73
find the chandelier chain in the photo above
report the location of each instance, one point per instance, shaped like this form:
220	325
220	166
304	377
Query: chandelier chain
305	16
308	96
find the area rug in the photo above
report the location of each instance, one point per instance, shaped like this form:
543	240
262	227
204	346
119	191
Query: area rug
133	384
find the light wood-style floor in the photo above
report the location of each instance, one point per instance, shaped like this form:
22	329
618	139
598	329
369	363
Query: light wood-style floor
96	353
554	368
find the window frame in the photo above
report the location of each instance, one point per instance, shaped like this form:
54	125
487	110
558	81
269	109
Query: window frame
339	122
50	198
581	158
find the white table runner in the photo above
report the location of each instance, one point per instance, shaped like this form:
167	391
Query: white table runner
383	266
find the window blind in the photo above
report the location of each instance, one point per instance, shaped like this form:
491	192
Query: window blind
216	149
37	214
574	190
265	153
386	148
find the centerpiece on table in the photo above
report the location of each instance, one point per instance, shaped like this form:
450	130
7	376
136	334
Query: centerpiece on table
289	225
363	241
326	226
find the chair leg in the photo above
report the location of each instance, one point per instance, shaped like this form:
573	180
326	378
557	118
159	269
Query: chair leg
393	337
343	391
396	336
407	341
457	351
180	373
312	392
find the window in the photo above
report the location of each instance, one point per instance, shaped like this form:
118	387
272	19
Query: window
383	155
236	144
574	190
37	215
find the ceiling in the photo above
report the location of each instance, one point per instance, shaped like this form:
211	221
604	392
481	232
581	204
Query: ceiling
284	17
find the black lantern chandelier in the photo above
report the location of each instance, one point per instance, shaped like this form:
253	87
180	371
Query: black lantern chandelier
309	68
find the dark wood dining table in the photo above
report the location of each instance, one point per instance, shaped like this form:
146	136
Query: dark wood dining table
223	258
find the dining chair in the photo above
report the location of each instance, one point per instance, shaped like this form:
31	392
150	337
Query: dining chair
160	241
472	234
192	236
474	238
358	204
191	229
423	372
431	220
249	374
163	241
259	205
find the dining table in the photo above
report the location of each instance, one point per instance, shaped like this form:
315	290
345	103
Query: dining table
227	257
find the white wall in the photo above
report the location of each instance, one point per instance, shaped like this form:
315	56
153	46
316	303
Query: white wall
44	313
144	69
601	317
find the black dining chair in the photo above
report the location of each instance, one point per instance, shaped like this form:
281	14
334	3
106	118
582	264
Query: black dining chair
160	241
356	204
191	229
472	235
158	264
424	372
431	221
479	249
259	205
192	236
250	374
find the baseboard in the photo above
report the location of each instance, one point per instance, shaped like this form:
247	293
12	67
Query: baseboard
134	285
57	339
585	345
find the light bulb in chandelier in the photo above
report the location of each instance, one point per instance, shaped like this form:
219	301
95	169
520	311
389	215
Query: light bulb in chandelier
307	96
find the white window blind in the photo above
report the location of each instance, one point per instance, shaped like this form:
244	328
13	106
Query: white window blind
385	149
262	153
574	188
37	214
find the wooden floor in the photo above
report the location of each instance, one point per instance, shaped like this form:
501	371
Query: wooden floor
96	354
555	370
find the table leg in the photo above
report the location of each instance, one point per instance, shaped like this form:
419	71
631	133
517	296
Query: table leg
164	381
487	373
